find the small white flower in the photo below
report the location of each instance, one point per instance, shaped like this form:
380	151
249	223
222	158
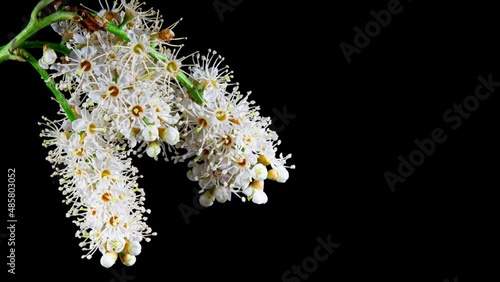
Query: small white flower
259	172
48	58
115	245
150	133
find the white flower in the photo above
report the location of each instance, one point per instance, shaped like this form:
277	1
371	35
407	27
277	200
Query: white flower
150	133
83	62
69	31
259	172
48	58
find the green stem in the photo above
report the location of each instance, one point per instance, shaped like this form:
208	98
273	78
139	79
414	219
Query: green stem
7	52
186	82
39	44
117	31
49	82
181	76
38	8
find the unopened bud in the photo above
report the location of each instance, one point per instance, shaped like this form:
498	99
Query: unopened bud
109	259
127	259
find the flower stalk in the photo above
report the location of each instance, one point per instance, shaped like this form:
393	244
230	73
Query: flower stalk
26	56
7	52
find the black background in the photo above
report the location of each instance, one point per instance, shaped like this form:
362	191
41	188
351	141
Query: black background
351	122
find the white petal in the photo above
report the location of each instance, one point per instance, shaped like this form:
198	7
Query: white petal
221	195
79	125
150	133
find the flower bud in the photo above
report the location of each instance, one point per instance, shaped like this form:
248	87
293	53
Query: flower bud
109	259
127	259
207	199
153	149
279	174
133	247
170	135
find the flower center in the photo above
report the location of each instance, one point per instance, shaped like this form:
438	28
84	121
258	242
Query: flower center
220	115
243	163
106	197
86	65
202	122
80	152
172	67
105	173
114	221
139	48
137	110
227	141
113	91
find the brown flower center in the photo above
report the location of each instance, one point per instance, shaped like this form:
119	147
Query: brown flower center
137	110
86	65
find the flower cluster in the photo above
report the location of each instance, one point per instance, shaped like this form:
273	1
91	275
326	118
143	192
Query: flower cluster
125	93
